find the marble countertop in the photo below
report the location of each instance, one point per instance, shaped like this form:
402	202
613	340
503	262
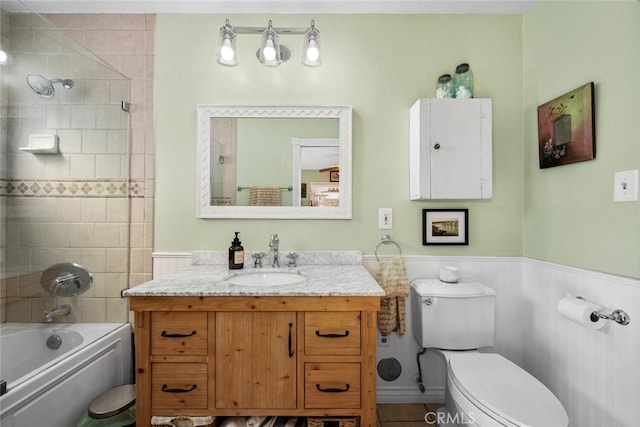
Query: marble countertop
345	276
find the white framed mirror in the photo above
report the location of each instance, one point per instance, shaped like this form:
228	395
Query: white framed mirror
250	162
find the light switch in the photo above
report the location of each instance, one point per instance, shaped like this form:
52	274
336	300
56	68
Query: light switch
625	186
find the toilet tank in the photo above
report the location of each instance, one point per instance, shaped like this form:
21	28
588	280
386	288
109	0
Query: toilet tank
452	316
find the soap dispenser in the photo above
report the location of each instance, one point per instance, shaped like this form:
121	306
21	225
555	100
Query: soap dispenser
236	254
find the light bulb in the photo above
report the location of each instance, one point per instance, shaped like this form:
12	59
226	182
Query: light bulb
226	51
3	57
312	51
269	51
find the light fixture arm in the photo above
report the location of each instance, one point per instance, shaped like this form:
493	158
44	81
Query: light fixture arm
260	30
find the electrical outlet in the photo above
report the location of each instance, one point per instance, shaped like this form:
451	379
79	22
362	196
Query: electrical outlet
385	218
383	341
625	186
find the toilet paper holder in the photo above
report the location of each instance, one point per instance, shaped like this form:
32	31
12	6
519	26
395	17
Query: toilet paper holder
619	316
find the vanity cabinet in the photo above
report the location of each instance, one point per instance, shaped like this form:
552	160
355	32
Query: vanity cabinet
450	149
256	356
255	360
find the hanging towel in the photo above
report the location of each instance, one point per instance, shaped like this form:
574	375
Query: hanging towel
264	196
392	277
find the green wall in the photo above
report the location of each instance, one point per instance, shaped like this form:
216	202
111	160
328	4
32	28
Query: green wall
570	217
378	64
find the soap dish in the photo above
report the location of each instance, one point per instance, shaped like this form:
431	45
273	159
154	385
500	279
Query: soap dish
42	144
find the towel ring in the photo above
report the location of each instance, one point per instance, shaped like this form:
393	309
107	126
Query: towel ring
383	241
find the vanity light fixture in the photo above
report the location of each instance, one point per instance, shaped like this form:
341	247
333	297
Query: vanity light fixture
311	47
270	53
227	46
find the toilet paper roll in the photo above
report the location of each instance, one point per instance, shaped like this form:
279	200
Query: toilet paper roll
579	311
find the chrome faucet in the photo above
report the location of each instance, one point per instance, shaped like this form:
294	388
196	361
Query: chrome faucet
273	244
59	311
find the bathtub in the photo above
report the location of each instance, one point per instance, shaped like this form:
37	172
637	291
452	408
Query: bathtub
53	387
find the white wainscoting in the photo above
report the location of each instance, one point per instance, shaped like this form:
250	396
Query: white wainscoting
595	374
165	262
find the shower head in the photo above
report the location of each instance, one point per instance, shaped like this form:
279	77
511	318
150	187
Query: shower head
44	86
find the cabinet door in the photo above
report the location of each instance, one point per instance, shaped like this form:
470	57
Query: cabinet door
256	360
456	144
450	149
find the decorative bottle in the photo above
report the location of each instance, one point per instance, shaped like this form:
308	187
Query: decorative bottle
463	81
236	254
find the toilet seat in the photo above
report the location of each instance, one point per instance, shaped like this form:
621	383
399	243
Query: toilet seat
504	391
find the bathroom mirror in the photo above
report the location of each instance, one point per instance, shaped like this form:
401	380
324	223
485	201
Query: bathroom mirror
279	162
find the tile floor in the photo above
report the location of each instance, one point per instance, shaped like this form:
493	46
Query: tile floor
406	415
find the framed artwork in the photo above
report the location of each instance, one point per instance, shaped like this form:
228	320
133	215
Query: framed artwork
445	226
334	176
566	129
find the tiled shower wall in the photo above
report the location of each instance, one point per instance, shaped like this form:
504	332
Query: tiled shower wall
90	220
125	41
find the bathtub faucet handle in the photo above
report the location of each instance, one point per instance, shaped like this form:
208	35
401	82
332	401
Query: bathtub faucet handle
65	281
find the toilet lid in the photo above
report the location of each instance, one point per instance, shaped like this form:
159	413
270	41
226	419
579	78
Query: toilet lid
505	391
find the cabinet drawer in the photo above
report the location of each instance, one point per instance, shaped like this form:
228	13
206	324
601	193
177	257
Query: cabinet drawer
332	385
332	333
179	385
178	333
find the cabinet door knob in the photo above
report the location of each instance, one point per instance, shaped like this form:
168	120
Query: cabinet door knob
437	146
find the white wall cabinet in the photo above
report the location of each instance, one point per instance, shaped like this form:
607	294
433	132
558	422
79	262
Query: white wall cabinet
450	154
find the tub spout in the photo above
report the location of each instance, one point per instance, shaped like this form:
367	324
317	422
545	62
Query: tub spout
59	311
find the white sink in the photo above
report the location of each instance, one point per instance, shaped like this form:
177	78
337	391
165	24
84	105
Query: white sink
266	278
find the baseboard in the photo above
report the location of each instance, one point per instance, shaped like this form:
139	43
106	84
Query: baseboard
388	394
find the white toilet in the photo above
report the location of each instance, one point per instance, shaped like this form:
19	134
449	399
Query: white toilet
483	389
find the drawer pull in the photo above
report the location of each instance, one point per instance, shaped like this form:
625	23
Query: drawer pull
346	334
178	390
332	390
166	335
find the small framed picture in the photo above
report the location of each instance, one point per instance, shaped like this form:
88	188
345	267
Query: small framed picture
334	176
445	226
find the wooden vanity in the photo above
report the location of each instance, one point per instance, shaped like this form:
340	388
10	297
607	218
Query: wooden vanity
254	355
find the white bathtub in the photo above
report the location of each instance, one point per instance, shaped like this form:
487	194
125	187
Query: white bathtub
47	387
